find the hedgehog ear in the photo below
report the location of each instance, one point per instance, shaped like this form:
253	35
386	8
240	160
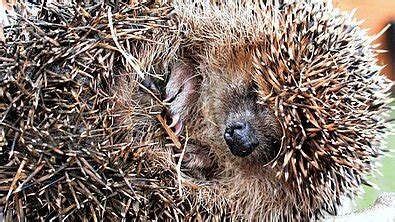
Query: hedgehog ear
181	88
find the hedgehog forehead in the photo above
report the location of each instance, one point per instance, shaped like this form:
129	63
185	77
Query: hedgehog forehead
232	82
241	104
231	69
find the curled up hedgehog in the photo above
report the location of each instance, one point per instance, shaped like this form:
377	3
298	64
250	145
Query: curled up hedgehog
241	110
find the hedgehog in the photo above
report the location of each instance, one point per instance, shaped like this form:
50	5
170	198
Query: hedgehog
189	110
291	105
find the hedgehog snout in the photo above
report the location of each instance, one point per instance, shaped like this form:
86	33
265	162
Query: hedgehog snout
240	138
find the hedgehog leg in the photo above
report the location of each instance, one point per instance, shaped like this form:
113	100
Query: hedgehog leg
180	94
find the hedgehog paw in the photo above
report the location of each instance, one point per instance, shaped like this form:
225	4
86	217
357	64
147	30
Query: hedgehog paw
180	94
197	162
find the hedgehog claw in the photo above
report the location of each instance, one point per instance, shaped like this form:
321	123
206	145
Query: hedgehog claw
174	120
167	100
176	124
178	128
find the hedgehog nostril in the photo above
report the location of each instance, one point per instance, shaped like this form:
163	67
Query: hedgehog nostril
240	125
237	127
240	138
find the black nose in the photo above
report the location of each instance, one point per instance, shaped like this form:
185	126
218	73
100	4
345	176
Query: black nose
240	138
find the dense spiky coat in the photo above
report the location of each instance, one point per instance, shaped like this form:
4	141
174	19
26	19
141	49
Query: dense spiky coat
66	153
82	139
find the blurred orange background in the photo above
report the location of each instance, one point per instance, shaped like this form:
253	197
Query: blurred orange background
377	14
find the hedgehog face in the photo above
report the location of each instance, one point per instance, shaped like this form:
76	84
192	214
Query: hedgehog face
249	130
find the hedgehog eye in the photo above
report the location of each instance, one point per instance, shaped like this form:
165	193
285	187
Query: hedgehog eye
252	91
